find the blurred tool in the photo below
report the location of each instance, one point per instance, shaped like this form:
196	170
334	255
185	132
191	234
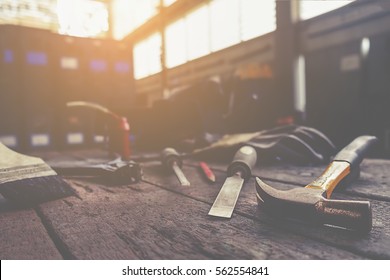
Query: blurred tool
119	128
294	144
171	160
116	171
28	180
207	171
240	169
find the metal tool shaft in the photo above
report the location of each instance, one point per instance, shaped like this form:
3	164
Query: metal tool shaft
180	175
239	170
227	197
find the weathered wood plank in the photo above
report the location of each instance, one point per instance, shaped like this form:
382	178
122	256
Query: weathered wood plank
374	245
143	221
23	236
120	229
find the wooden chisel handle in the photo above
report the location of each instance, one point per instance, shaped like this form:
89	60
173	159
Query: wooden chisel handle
243	161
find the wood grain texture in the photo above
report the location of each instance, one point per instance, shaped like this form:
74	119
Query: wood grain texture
143	221
23	236
374	245
159	219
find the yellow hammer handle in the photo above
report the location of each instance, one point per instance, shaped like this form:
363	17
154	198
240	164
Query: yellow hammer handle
330	178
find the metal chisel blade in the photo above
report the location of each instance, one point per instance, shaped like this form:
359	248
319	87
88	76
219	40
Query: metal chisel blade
227	197
180	176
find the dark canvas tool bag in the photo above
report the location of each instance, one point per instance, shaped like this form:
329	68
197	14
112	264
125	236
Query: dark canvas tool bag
289	143
185	115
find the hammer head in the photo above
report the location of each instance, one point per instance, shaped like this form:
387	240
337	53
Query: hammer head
311	206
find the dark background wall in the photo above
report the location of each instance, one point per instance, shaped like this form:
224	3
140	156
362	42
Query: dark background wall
347	56
41	71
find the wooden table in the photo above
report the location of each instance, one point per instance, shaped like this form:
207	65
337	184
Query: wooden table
158	219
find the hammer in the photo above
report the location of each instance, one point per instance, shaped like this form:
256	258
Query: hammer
312	203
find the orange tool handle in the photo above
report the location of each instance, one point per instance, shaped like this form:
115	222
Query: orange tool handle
207	171
345	162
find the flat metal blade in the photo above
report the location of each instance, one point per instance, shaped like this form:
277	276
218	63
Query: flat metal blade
227	197
180	175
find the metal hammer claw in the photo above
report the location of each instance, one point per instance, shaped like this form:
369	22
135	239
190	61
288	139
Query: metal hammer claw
312	203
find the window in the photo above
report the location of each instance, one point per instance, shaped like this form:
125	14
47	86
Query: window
217	25
212	27
257	18
198	33
147	56
188	38
176	45
41	14
84	18
130	14
168	2
312	8
224	23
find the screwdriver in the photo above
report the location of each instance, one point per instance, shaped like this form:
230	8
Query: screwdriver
207	171
171	159
239	169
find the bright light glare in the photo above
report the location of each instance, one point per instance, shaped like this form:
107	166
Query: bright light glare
84	18
225	30
176	45
147	55
212	27
365	46
33	13
168	2
129	14
257	18
198	33
312	8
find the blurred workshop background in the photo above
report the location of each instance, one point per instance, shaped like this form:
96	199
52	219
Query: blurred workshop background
180	70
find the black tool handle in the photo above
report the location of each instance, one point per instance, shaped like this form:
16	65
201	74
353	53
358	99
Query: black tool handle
354	152
169	156
244	160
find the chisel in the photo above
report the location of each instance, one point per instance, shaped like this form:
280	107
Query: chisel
171	160
239	170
